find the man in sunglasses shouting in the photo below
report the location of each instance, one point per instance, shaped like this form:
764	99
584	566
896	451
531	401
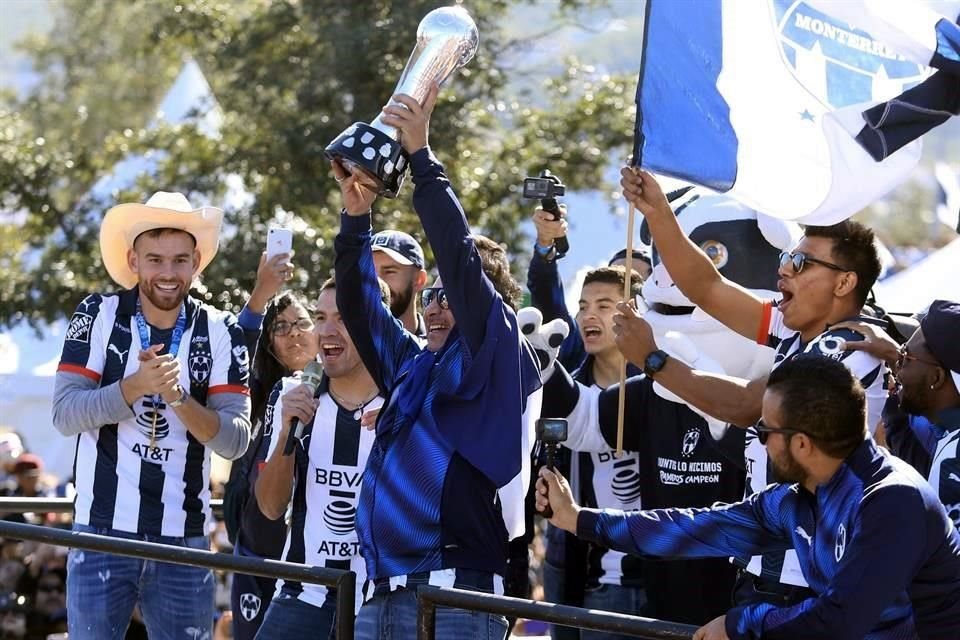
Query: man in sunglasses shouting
873	541
823	281
443	491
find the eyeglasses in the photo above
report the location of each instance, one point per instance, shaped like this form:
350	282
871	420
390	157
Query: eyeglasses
906	355
427	296
799	261
763	431
282	327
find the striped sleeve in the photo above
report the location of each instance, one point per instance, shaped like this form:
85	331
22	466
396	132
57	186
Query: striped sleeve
742	529
273	415
84	344
231	362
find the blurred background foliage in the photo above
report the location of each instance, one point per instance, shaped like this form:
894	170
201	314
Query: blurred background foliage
288	76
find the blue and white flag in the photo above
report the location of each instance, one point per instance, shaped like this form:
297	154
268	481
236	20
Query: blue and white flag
763	98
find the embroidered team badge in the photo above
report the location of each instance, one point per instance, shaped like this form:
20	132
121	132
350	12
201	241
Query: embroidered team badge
841	545
249	606
690	440
199	365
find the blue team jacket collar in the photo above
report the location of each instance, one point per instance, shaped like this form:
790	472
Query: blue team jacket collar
859	463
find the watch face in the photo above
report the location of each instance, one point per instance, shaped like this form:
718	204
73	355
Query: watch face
654	362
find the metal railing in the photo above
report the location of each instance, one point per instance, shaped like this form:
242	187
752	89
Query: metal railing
61	505
429	598
343	581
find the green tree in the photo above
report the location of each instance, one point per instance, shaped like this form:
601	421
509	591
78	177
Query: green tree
289	76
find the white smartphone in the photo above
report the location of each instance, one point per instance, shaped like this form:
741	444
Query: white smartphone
279	240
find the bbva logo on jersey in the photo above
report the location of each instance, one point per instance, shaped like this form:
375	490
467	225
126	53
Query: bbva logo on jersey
839	65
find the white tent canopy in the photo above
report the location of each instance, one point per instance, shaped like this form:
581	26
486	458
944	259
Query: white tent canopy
933	278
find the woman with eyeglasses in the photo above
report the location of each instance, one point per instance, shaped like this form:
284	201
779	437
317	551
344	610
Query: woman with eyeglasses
285	345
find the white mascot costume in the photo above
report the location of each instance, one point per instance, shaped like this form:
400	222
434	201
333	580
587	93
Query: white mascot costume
745	247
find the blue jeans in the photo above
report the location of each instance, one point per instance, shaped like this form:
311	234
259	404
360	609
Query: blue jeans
554	586
615	599
393	616
102	589
289	618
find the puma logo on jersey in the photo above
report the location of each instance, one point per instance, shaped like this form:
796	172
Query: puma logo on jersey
953	477
120	354
803	534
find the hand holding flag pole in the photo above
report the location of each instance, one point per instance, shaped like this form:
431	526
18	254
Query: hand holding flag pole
628	270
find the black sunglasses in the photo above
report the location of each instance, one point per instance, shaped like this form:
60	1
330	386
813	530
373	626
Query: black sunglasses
763	431
799	261
430	294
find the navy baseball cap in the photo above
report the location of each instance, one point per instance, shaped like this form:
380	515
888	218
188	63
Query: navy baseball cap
640	253
400	246
941	326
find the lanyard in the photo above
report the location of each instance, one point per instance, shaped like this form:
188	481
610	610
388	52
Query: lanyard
145	343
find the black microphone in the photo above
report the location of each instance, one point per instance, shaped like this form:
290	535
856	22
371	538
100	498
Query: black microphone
312	376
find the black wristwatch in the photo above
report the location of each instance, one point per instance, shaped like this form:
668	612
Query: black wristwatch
654	362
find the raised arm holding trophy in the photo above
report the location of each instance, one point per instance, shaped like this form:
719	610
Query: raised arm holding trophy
447	39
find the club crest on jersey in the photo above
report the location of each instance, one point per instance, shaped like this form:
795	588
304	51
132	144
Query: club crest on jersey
841	545
249	606
690	440
241	357
340	517
79	329
145	420
199	365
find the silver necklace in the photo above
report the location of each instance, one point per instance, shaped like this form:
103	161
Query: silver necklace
360	406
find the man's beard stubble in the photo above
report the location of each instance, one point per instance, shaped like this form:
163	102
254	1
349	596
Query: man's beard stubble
164	304
400	301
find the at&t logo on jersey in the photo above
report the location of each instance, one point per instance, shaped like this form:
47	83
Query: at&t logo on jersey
151	421
340	516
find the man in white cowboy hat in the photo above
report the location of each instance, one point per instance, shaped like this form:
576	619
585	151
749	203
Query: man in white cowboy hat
150	381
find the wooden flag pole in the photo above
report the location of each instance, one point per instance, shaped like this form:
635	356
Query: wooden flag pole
628	273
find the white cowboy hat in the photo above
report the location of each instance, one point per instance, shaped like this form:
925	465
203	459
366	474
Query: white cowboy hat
124	222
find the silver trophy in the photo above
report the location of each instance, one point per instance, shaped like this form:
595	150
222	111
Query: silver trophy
447	39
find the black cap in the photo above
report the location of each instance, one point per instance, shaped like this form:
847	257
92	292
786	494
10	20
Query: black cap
400	246
941	326
642	254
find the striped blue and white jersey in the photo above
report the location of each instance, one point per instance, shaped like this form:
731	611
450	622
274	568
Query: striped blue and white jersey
445	484
326	490
147	474
874	544
872	373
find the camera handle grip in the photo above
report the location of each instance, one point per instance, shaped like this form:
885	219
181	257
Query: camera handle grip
562	245
550	450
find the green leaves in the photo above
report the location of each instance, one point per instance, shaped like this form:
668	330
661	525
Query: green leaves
288	77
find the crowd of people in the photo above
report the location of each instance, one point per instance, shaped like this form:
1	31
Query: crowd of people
411	458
